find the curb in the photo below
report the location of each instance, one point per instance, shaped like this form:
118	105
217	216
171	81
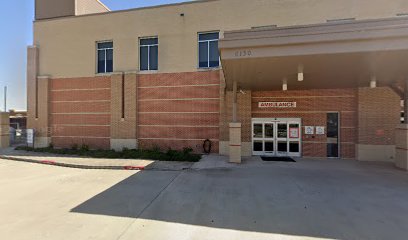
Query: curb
67	165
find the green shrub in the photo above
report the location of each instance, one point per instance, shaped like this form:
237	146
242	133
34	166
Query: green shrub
84	148
186	155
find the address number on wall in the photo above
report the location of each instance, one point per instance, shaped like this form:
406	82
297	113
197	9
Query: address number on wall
243	53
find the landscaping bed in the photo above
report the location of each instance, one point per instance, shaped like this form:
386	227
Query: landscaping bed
186	155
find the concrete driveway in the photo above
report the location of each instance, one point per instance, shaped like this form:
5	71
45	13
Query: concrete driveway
310	199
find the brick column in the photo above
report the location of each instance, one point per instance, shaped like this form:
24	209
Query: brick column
4	130
123	110
401	159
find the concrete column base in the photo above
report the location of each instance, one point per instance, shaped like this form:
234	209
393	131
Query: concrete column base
235	143
401	158
119	144
42	142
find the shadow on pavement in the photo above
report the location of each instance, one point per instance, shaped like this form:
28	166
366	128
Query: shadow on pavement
299	202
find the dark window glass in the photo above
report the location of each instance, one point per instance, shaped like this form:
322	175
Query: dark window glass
208	36
105	45
149	54
269	130
282	146
258	146
258	132
333	135
144	55
332	125
333	150
208	54
282	130
153	60
101	61
203	54
105	57
109	60
214	55
269	147
294	147
149	41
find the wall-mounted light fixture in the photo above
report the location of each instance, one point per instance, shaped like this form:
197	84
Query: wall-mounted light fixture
285	84
373	82
301	75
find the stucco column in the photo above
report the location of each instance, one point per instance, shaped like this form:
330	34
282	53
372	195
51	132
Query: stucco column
401	159
235	141
4	130
406	102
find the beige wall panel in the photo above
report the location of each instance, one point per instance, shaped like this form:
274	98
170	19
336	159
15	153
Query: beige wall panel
68	44
89	7
54	8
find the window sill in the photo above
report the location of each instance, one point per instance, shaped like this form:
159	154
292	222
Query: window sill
209	69
103	74
148	71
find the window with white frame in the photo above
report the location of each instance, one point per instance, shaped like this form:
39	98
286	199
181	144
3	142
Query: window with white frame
208	55
105	57
149	54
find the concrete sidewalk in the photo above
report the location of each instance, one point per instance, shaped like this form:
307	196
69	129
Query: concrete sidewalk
90	163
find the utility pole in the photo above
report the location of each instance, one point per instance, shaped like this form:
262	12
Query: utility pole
5	98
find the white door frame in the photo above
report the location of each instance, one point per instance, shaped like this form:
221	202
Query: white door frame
275	138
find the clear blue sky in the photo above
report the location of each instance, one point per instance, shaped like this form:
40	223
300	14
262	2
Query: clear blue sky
16	18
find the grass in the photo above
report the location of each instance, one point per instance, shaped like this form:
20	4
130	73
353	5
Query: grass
186	155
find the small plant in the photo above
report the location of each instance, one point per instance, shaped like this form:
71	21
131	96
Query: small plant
186	155
187	150
84	148
51	146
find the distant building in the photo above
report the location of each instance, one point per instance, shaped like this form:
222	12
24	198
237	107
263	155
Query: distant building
18	119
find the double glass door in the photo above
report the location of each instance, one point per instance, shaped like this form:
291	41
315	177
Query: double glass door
276	137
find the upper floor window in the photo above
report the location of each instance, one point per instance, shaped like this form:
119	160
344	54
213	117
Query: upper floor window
149	54
105	57
208	54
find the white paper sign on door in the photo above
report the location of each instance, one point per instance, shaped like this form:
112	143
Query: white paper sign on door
293	132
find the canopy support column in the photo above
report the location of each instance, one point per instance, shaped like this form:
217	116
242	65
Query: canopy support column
401	140
235	141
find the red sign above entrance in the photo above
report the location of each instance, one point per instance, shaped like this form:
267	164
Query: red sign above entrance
277	104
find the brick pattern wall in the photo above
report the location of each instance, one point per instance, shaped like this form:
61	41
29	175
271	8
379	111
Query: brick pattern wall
379	115
80	112
243	115
312	107
177	110
123	106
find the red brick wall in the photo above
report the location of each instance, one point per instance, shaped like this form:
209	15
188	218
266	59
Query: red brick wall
312	107
379	115
177	110
80	112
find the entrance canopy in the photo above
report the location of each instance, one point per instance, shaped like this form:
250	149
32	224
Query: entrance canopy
330	55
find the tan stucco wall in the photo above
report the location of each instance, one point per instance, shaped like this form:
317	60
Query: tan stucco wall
67	45
54	8
89	7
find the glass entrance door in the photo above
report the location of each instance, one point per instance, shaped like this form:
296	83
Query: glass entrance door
333	150
263	138
276	137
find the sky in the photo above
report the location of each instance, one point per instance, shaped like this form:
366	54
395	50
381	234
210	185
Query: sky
16	19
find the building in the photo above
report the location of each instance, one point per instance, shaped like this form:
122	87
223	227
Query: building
311	78
18	119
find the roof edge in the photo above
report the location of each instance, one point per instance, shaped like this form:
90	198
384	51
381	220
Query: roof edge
129	10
